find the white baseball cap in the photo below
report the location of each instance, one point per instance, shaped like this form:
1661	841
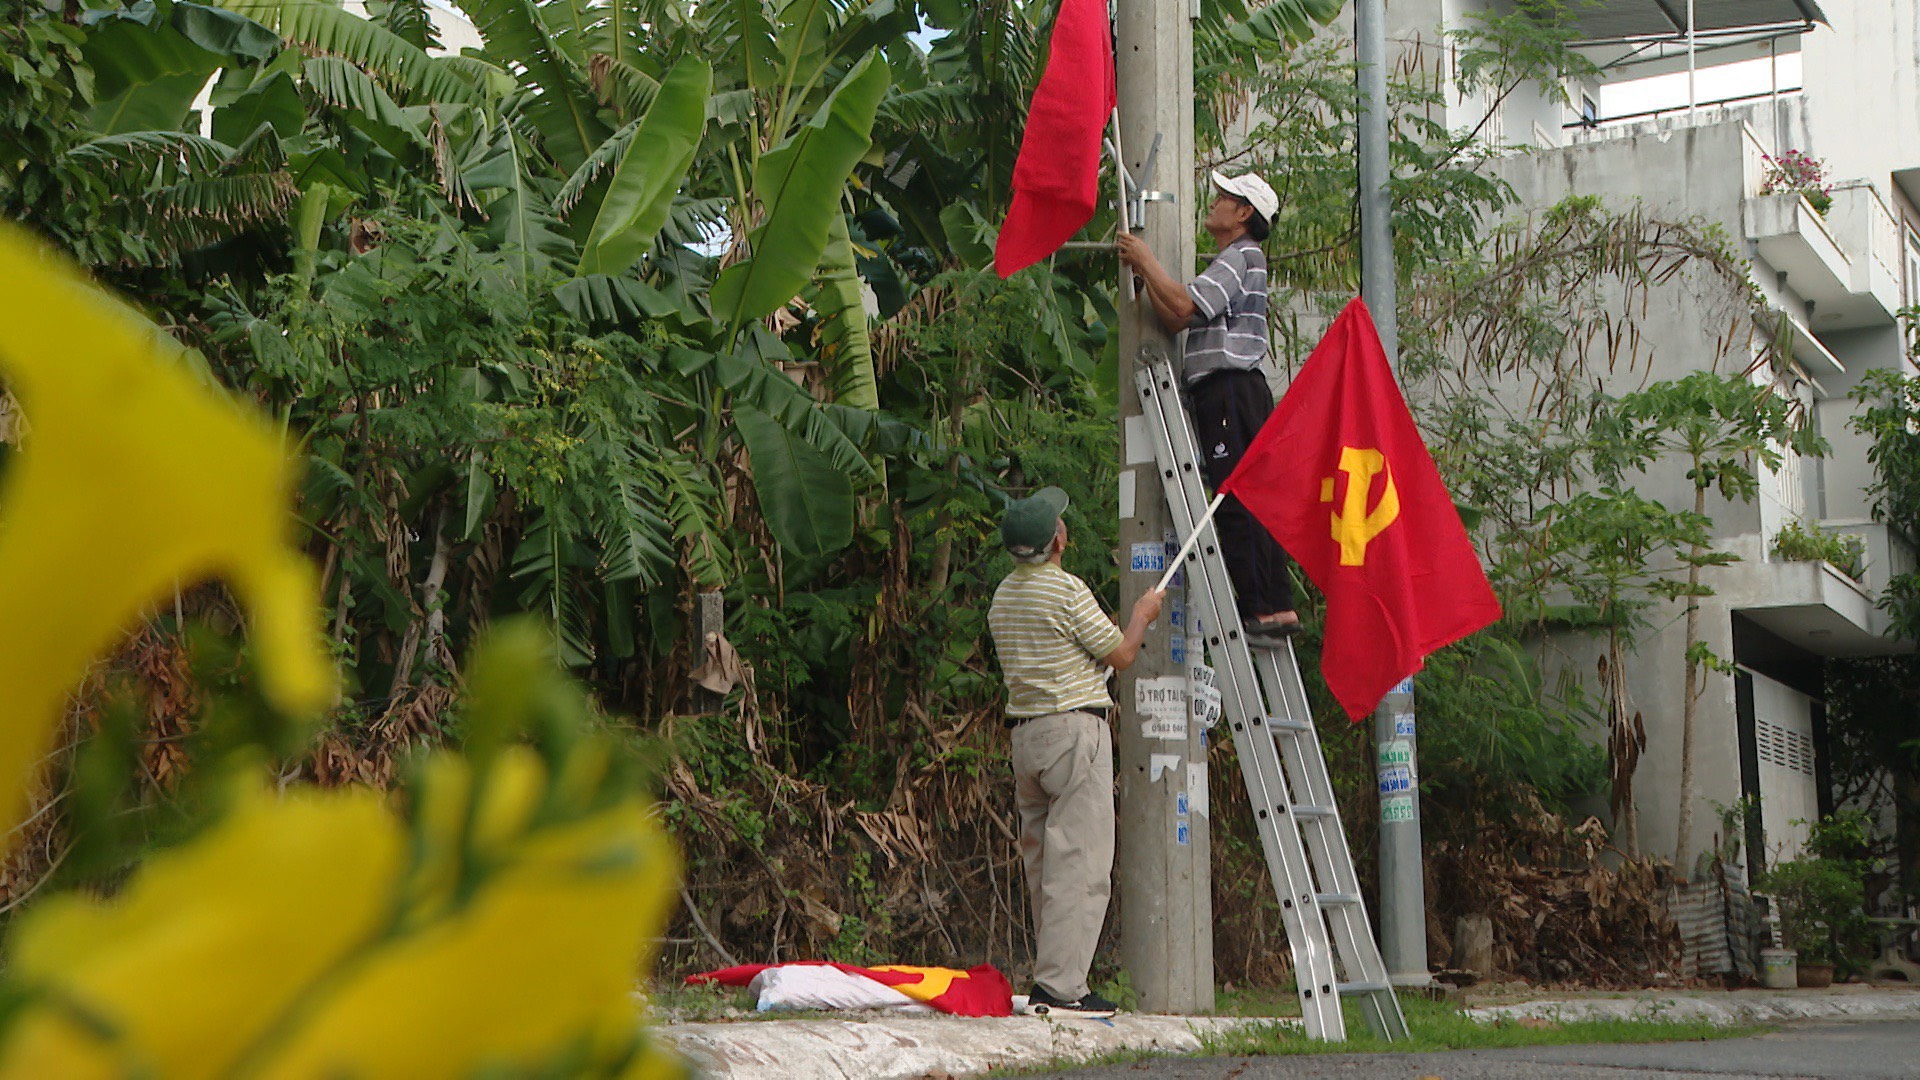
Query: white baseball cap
1253	189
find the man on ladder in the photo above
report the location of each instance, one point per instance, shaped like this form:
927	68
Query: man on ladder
1224	312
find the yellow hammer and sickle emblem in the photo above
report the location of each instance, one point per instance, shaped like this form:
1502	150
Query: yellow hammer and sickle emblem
1353	526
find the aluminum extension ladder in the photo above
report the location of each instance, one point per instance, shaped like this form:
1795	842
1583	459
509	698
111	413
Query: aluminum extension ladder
1263	698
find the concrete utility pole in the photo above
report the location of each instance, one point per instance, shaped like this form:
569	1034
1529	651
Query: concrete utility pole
1403	897
1166	909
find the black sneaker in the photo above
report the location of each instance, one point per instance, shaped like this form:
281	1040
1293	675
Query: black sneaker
1090	1005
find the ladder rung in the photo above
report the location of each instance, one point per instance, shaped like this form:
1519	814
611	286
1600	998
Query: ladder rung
1364	987
1282	723
1337	899
1312	813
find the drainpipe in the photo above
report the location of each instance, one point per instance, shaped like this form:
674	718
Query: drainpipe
1693	96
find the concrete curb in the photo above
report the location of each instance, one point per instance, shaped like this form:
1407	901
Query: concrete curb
1725	1009
914	1047
910	1047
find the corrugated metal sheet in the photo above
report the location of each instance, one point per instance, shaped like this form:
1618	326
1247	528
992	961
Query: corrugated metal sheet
1721	929
1608	19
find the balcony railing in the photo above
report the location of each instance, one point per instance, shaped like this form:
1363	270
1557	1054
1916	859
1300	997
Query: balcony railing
1846	261
1869	233
1889	554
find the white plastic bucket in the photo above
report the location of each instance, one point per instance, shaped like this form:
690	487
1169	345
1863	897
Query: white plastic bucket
1779	969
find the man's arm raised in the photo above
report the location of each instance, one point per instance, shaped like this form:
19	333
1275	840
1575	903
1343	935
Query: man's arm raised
1145	610
1168	296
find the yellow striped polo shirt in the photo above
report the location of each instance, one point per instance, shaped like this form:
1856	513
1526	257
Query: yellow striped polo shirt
1051	636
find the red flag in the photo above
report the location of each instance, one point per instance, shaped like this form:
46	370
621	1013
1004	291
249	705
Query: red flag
1057	176
1341	479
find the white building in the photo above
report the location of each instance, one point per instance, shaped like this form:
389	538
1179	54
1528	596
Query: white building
1684	130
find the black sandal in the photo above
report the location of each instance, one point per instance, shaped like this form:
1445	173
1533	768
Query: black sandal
1270	635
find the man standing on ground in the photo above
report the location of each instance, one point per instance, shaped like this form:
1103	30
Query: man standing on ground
1055	647
1224	312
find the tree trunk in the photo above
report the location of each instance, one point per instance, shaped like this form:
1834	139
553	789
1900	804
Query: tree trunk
943	529
1906	803
1473	945
433	623
943	522
1626	738
1685	841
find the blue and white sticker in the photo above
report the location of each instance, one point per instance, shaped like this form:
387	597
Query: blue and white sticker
1181	805
1397	780
1183	833
1404	686
1403	725
1148	558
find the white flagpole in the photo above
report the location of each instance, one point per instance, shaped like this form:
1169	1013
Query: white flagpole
1174	566
1120	181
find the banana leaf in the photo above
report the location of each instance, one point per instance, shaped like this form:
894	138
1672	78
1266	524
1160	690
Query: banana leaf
800	183
641	192
807	502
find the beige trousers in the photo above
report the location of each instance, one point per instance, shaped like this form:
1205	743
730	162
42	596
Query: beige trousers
1063	787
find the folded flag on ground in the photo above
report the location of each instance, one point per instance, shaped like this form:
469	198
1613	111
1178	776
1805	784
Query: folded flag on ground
820	984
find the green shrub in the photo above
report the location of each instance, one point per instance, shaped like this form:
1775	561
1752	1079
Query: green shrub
1821	895
1808	542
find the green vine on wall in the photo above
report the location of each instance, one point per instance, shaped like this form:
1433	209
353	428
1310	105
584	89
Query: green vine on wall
1891	418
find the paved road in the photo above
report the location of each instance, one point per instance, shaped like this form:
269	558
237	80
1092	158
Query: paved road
1879	1050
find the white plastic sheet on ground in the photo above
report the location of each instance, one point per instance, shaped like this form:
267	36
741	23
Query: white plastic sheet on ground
810	986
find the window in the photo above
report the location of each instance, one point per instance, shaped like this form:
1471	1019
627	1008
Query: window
1589	111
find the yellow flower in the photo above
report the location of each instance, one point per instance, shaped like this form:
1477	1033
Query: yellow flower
133	479
275	945
209	946
543	956
309	934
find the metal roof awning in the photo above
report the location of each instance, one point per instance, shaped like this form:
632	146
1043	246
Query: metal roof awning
1609	21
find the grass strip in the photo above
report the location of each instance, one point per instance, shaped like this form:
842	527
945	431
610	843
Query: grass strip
1437	1026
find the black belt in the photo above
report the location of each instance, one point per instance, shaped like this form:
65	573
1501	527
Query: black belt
1100	712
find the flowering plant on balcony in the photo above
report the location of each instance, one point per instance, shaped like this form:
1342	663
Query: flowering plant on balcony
1798	173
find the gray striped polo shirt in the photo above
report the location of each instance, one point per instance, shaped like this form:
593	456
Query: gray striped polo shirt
1052	638
1229	328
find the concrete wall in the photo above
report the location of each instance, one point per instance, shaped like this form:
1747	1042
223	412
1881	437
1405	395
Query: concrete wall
1656	681
1418	35
1703	168
1699	171
1862	77
1845	472
1700	319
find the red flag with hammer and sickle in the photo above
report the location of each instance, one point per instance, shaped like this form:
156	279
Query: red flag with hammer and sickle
1340	477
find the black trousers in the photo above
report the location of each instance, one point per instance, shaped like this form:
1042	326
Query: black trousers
1228	408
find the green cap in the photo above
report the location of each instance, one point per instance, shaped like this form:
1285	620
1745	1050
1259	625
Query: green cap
1028	526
